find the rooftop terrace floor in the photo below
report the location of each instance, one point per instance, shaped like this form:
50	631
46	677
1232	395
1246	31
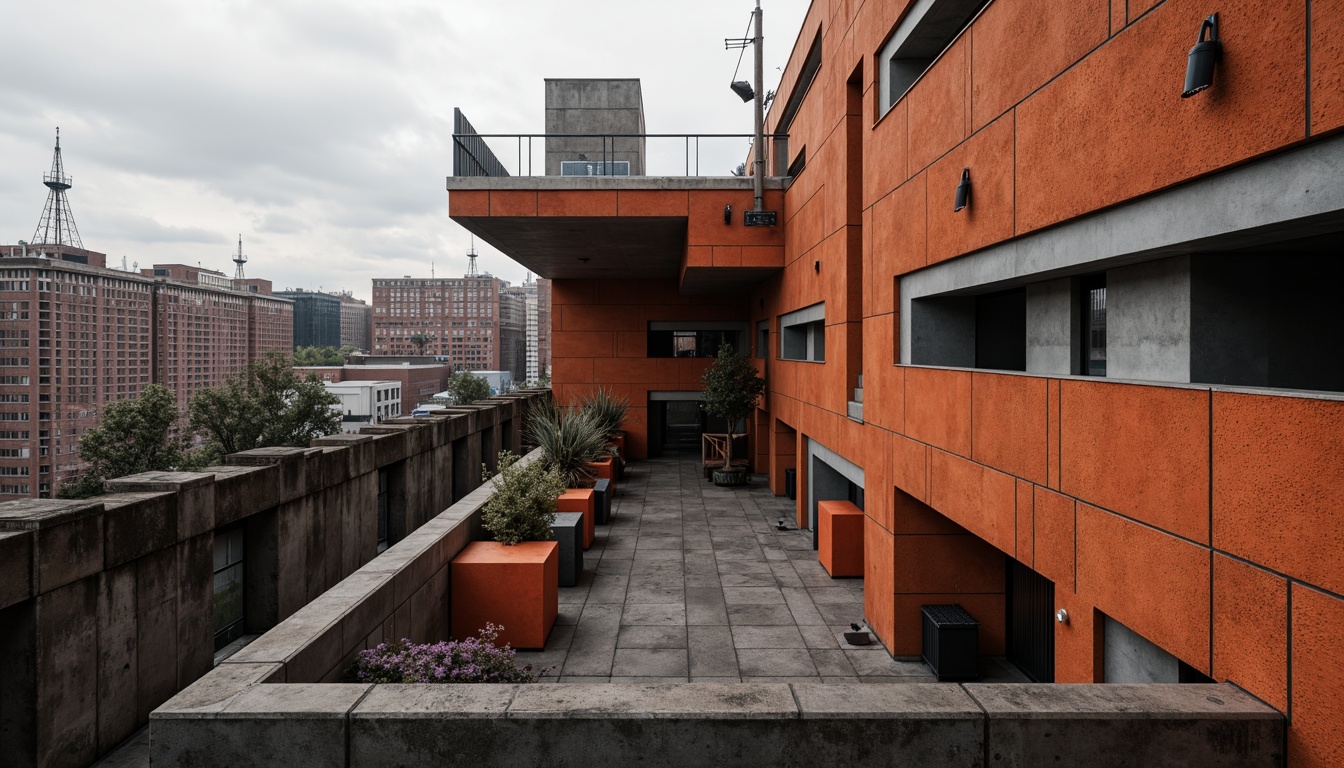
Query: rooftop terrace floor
693	582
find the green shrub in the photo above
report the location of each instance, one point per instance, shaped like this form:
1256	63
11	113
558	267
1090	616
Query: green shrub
522	507
467	388
570	439
607	409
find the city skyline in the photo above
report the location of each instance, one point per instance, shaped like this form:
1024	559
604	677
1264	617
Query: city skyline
323	136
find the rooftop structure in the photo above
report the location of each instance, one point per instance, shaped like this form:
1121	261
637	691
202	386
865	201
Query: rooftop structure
1062	350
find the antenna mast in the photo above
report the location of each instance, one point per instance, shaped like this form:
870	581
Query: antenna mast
57	226
471	259
239	259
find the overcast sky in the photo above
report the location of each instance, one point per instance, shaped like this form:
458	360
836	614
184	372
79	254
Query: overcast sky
321	131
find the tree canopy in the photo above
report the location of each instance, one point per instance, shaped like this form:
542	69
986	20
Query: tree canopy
267	405
134	436
322	355
731	388
467	388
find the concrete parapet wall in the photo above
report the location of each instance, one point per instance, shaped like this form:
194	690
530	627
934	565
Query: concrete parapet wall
235	718
106	605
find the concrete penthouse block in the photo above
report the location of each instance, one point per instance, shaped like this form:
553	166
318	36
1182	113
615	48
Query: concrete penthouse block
67	538
1129	725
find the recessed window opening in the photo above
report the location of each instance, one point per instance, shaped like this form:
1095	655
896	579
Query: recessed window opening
927	29
1092	290
692	339
802	334
762	338
230	597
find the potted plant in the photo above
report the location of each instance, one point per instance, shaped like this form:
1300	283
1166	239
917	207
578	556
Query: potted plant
512	581
731	388
574	444
608	410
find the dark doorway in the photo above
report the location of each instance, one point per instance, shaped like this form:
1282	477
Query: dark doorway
1031	622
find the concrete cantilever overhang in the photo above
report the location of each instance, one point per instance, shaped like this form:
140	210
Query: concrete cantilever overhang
651	227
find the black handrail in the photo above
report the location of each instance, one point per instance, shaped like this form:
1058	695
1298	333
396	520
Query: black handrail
470	144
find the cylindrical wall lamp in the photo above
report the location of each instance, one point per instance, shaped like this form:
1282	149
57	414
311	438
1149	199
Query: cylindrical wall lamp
1199	65
963	190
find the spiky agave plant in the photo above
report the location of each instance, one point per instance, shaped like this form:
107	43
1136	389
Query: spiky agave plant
570	440
607	408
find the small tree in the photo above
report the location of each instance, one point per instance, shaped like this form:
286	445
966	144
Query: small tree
731	388
134	436
420	340
266	405
467	388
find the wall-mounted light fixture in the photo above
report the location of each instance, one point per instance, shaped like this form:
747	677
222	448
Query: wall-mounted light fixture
1199	65
1062	616
743	89
727	214
816	267
963	190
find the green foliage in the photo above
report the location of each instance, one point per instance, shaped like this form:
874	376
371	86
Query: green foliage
467	388
304	356
420	340
522	507
266	405
134	436
731	388
607	409
570	440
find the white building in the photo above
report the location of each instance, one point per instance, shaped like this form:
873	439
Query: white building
365	402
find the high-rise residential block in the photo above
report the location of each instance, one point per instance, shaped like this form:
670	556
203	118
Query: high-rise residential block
76	336
354	322
469	322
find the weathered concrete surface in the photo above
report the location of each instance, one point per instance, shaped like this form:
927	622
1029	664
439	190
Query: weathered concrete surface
106	605
290	725
1129	725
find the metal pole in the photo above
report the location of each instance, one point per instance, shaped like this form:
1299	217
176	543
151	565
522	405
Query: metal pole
758	178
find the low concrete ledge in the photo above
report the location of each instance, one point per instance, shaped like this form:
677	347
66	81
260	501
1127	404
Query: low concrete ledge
1123	725
238	720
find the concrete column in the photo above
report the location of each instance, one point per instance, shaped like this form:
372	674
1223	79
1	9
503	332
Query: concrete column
1148	321
1052	328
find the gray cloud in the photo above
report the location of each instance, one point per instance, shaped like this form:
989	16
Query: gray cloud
322	130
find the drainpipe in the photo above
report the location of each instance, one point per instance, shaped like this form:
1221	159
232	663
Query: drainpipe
758	176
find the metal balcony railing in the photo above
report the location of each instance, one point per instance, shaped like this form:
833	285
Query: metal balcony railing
607	154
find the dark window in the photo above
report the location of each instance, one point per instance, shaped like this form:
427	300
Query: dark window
382	509
763	338
229	592
1093	311
690	343
921	37
1001	330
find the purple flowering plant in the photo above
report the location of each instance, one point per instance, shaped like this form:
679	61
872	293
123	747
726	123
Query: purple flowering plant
473	660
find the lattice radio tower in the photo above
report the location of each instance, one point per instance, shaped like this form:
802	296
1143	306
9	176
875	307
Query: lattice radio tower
471	259
239	259
57	226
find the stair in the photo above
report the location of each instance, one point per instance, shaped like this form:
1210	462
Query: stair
855	408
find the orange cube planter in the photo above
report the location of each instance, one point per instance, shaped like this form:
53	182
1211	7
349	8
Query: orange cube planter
515	587
605	470
581	500
840	538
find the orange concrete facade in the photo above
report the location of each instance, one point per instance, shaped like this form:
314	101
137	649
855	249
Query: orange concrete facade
1207	519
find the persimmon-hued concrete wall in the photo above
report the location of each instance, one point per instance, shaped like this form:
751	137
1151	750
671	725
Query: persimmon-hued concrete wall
599	338
1207	520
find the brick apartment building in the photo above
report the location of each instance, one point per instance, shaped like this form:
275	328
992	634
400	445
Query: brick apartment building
355	322
1093	396
419	379
472	323
77	336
